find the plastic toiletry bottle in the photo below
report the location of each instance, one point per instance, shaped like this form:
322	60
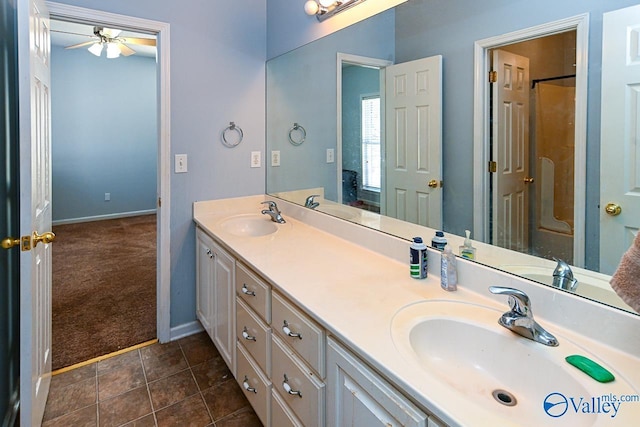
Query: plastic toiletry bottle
439	241
418	259
467	250
448	273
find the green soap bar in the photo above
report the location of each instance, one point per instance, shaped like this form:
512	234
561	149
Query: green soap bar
590	368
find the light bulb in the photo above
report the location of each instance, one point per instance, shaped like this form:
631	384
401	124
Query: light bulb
113	50
96	49
311	7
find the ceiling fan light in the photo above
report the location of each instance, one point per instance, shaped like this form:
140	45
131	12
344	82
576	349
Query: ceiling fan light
113	50
311	7
96	49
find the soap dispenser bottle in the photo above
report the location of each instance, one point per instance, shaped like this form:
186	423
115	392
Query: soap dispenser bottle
467	250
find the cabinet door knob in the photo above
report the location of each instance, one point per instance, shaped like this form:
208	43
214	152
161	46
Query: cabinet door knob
247	386
246	290
289	332
288	389
246	336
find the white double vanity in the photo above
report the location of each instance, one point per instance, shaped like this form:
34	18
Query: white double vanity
321	331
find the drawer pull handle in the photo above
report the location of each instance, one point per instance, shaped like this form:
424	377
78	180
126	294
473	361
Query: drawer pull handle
247	387
210	253
246	336
246	291
288	389
289	332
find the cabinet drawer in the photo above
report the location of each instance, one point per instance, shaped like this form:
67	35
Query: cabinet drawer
256	387
281	414
253	291
254	335
298	385
304	335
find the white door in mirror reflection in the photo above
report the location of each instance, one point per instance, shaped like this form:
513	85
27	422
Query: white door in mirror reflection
414	141
620	138
510	150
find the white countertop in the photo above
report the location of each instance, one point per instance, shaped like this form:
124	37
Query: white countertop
355	292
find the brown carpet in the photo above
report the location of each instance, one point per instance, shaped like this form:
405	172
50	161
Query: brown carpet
104	287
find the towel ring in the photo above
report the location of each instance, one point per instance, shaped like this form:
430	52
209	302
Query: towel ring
301	130
231	128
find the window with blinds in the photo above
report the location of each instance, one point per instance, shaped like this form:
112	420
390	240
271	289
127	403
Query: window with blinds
370	134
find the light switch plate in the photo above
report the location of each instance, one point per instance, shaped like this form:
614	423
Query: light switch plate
256	160
275	158
181	163
330	155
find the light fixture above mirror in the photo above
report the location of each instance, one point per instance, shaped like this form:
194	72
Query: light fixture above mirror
324	9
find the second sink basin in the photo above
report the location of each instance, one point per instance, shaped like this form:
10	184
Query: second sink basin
249	225
463	346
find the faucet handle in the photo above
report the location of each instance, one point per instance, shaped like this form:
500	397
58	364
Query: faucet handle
272	205
518	300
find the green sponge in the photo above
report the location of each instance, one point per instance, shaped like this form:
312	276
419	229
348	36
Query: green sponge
590	368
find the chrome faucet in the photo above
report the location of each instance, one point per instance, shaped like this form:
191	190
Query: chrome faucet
563	276
520	318
310	203
273	212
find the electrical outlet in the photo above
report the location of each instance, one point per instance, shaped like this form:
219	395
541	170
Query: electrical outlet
181	163
330	155
275	158
256	161
107	197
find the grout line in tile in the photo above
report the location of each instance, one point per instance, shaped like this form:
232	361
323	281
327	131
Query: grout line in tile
146	382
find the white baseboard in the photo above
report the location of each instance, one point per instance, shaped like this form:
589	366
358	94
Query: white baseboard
103	217
185	330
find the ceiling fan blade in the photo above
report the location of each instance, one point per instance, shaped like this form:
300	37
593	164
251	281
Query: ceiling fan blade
75	46
126	50
138	40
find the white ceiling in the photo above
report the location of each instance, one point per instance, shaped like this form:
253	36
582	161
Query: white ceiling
69	33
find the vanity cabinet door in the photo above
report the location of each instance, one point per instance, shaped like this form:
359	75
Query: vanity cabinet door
204	280
358	397
223	329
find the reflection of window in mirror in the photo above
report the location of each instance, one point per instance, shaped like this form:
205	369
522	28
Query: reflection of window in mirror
370	131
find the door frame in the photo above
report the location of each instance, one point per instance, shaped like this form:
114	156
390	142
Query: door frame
481	127
362	61
161	31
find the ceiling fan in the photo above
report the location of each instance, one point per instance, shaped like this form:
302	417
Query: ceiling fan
110	39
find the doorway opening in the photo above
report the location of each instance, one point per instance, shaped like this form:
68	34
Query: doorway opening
160	110
530	191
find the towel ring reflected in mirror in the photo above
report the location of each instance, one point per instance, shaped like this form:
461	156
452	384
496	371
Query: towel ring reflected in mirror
299	130
228	132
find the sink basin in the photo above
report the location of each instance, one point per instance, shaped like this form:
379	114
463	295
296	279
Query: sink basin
249	225
471	355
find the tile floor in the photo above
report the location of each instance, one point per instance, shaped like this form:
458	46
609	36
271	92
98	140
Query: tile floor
182	383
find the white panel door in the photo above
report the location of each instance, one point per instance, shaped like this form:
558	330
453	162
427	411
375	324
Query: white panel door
510	151
35	212
414	141
620	138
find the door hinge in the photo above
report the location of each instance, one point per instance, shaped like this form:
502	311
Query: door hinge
493	76
493	167
159	202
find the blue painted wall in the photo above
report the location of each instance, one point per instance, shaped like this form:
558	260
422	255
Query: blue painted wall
104	134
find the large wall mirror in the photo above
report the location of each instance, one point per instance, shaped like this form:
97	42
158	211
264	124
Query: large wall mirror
512	156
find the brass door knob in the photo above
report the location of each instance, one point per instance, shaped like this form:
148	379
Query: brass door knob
528	180
45	238
433	183
10	242
613	209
